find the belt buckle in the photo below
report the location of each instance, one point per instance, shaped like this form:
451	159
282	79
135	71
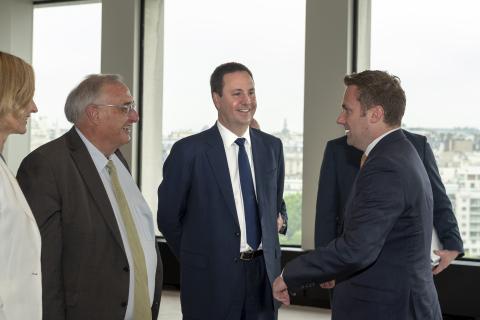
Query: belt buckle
247	255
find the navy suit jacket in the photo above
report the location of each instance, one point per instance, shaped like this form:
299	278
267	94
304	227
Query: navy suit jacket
197	216
381	261
340	166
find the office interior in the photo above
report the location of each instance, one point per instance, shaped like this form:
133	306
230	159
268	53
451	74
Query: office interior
337	42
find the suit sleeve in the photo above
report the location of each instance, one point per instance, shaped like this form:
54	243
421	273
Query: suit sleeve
280	181
328	207
283	213
376	207
41	191
443	217
173	195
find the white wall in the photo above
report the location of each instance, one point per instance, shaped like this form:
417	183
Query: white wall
327	60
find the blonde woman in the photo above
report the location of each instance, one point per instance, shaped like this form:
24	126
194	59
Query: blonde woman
20	276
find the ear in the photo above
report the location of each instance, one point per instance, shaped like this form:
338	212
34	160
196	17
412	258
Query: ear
376	114
216	99
92	114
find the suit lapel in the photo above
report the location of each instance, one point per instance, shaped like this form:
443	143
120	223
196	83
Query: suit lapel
261	167
218	162
94	183
18	194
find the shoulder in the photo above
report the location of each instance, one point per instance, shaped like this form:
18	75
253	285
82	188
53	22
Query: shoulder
196	141
414	137
265	137
189	148
52	151
340	148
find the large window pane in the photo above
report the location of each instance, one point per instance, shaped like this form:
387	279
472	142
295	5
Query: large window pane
66	48
267	36
433	47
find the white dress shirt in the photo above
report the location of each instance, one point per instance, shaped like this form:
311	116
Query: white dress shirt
374	142
231	151
141	214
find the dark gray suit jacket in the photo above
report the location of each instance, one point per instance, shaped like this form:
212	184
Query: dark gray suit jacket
340	166
197	216
381	260
84	266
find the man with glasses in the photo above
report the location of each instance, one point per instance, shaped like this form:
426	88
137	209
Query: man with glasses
99	254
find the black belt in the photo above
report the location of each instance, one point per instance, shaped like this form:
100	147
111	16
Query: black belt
250	255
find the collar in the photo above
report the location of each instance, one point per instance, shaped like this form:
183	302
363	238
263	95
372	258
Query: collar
229	137
98	157
374	142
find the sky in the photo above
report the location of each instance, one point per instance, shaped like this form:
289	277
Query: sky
65	50
432	45
267	36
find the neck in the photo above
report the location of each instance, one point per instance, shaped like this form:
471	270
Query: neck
3	138
238	131
99	143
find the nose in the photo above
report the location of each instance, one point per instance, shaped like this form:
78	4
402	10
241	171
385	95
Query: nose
248	99
341	118
133	116
33	107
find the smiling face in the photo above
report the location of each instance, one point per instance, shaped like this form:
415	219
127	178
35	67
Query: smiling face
237	105
115	124
17	123
354	119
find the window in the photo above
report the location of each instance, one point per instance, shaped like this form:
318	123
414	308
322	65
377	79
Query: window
66	48
197	38
432	46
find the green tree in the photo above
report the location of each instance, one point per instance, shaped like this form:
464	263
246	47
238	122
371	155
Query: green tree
294	210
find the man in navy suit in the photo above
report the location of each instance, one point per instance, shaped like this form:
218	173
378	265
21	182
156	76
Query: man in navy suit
340	166
217	207
381	258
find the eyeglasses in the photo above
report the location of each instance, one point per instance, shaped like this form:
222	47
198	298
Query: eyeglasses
126	107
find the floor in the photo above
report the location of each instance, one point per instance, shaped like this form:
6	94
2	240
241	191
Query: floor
170	310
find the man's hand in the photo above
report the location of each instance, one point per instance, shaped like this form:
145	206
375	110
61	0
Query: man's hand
446	257
280	291
279	223
328	284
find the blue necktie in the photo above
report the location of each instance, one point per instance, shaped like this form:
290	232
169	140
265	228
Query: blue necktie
252	221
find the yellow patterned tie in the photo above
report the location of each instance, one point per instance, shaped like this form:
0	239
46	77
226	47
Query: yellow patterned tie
363	159
141	301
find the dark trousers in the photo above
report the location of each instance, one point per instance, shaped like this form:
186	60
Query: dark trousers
254	300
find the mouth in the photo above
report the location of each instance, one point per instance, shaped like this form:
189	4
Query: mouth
244	110
127	130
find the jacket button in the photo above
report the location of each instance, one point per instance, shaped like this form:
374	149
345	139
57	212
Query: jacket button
237	234
123	304
126	269
235	260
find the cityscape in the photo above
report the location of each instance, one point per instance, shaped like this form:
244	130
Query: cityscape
457	151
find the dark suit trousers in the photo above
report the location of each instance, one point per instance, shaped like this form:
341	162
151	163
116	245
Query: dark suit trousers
253	300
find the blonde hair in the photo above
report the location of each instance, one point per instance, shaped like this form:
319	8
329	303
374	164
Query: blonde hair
17	84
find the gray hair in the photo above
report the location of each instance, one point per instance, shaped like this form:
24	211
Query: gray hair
86	92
